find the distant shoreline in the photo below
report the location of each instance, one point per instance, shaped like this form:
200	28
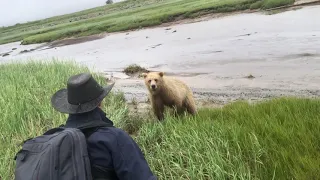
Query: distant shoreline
124	16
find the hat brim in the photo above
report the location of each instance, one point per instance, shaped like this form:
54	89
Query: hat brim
60	102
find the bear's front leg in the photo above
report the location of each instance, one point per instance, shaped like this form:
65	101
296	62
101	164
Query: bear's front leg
160	112
158	108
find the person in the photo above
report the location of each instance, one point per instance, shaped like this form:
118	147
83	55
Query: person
113	153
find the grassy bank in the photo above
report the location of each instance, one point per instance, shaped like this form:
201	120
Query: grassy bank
131	14
277	139
26	90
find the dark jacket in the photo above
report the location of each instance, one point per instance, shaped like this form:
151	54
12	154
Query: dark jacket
111	147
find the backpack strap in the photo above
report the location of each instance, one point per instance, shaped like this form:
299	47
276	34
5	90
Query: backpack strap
89	131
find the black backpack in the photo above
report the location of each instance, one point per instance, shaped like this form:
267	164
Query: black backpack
59	154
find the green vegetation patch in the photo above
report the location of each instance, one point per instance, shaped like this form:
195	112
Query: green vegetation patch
268	4
257	5
134	69
277	139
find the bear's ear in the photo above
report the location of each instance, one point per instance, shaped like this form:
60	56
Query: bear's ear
144	75
161	74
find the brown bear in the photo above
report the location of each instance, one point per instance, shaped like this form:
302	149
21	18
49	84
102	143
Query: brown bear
170	92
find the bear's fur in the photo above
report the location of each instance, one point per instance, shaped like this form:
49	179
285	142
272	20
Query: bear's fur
170	92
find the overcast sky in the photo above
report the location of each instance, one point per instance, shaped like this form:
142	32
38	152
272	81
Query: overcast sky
19	11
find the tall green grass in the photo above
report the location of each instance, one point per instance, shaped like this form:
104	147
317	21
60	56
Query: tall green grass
130	14
25	105
277	139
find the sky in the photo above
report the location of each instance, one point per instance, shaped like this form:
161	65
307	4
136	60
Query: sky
20	11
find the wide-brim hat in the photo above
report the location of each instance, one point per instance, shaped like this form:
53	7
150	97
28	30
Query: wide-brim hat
83	94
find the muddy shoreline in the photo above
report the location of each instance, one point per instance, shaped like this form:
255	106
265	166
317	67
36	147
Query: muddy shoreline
136	93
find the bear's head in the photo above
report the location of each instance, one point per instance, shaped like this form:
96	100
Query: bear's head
153	81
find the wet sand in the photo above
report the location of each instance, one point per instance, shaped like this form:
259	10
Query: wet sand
214	57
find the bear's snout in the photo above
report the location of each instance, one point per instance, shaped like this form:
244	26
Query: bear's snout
153	86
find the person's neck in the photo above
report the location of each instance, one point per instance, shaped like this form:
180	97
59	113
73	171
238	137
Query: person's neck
94	118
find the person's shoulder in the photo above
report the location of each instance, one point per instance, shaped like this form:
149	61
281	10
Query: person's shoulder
112	130
110	134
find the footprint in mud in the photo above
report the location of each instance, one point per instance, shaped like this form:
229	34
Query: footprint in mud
182	74
156	45
210	52
301	55
250	76
249	34
25	51
158	66
6	54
